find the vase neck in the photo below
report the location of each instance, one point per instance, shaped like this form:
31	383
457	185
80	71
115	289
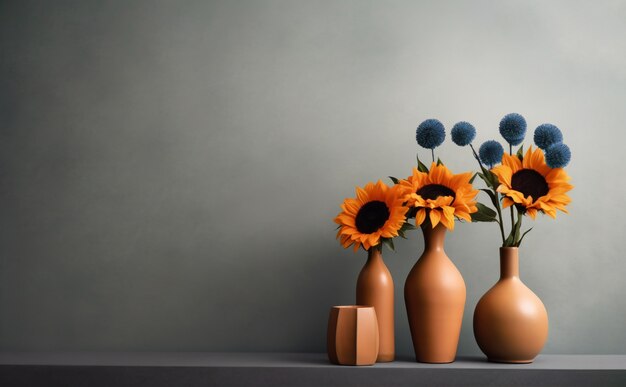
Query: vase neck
374	255
434	238
509	262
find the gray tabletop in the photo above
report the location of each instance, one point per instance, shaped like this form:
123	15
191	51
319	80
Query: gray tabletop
295	369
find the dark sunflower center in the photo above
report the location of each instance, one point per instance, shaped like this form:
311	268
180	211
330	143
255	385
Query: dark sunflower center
530	182
371	217
433	191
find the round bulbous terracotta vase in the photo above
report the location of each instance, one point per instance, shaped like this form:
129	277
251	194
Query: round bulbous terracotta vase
510	321
434	294
374	287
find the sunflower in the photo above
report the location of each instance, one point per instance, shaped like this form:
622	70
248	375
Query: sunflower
439	194
532	185
376	212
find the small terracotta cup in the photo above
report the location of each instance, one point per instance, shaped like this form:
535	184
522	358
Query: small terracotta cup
352	335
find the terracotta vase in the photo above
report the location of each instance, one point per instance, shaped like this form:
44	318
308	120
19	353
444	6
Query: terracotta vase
375	288
352	335
510	321
434	294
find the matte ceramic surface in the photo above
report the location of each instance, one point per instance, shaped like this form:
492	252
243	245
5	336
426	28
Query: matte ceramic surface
375	288
434	294
352	335
510	321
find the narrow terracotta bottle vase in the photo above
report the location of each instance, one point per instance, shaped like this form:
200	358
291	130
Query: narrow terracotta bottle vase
352	335
375	288
510	321
434	294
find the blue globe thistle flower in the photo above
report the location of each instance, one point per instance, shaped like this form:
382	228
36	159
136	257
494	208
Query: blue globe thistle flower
513	128
558	155
491	152
546	135
430	134
463	133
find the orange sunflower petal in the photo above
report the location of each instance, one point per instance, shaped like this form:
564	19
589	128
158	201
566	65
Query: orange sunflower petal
507	202
349	234
420	216
448	217
556	180
504	174
511	161
435	216
461	205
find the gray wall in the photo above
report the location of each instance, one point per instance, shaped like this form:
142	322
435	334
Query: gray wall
169	171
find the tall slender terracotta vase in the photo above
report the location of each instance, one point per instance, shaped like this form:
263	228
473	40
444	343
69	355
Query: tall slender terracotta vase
434	294
375	288
510	321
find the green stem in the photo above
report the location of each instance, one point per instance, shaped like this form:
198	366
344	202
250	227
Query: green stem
500	223
512	215
476	157
498	210
432	150
514	237
518	228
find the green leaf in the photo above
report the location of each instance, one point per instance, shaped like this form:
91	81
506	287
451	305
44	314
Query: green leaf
405	227
408	226
479	217
484	214
520	153
509	240
489	178
514	237
394	179
389	243
494	180
473	177
492	196
420	166
486	210
523	235
439	161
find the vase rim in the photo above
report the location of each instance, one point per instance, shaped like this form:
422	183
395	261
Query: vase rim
509	248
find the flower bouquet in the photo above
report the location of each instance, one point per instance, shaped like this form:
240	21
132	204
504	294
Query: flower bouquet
527	183
434	291
510	321
374	217
435	198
